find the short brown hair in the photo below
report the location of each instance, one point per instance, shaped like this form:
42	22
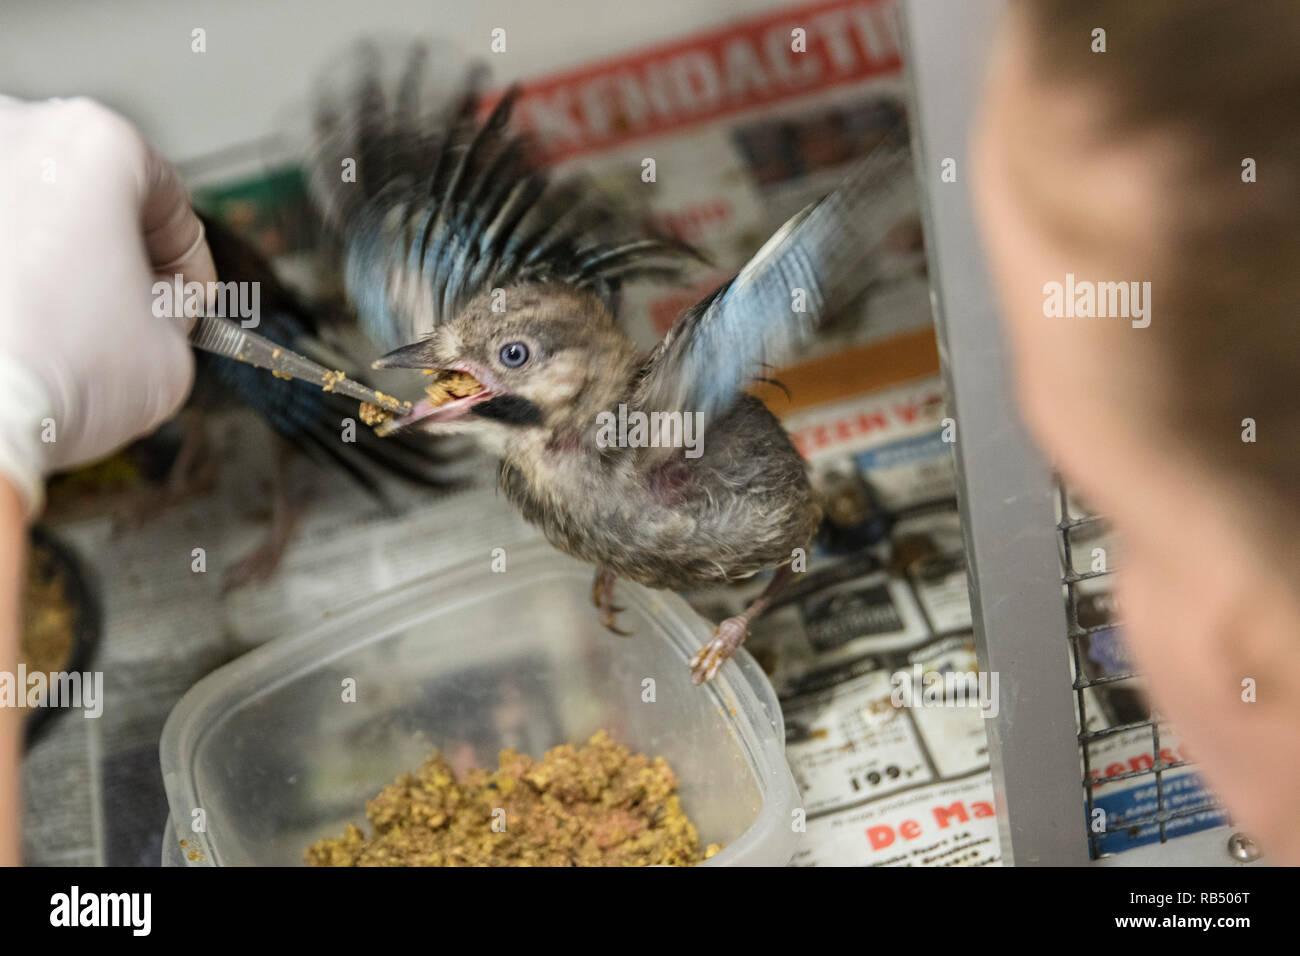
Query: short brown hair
1221	80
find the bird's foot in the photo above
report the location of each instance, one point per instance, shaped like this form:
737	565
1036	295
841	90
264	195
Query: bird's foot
143	509
727	638
193	472
602	596
258	565
600	584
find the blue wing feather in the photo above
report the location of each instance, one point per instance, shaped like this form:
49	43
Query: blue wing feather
820	259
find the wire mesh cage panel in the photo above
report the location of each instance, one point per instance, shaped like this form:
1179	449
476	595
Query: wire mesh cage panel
1138	789
1083	770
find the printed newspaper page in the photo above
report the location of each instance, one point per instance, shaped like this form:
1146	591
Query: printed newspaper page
889	777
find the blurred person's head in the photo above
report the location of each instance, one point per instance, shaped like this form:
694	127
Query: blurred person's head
1127	166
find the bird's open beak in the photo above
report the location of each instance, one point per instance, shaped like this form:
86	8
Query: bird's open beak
451	393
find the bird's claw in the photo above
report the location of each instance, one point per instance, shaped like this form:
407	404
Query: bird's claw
727	638
611	625
602	596
258	565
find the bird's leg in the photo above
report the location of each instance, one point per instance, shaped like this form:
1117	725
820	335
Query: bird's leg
602	596
262	561
731	633
192	472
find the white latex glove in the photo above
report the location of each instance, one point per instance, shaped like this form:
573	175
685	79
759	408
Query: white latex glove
90	218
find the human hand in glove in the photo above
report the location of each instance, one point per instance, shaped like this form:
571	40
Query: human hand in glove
90	218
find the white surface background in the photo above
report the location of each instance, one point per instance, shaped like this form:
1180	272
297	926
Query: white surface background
261	54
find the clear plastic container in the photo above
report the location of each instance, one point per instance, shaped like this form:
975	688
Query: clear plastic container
284	745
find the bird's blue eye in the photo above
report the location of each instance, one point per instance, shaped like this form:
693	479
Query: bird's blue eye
514	354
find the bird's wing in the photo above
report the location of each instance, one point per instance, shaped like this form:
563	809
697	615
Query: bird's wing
309	419
445	206
816	262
